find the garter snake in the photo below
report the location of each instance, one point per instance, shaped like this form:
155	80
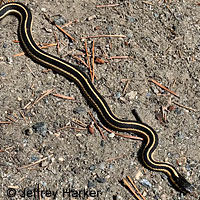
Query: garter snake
92	95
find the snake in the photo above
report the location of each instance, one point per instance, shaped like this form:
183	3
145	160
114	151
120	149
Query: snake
84	83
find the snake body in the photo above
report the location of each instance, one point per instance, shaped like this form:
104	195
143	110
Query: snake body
93	96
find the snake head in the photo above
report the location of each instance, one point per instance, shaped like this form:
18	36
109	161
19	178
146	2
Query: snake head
182	184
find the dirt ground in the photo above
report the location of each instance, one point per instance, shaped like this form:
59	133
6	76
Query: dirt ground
162	43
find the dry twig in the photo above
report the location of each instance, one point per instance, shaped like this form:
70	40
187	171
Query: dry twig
96	124
39	98
130	188
23	116
186	107
93	62
35	163
70	127
115	158
121	135
78	122
100	36
163	87
63	96
133	184
57	41
120	57
126	86
42	47
5	122
88	58
63	31
107	5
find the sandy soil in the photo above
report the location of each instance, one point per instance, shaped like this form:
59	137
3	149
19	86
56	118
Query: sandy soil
162	43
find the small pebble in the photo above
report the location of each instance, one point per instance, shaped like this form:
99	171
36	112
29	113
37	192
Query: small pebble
43	9
198	189
91	184
156	197
107	177
40	127
111	135
178	111
179	134
109	28
148	94
9	60
100	180
44	184
144	193
138	175
111	167
164	176
118	95
102	166
131	19
107	46
188	167
89	198
102	143
4	45
78	110
28	131
44	163
71	44
163	196
19	98
34	158
155	90
48	30
91	17
145	183
25	142
131	95
123	99
61	159
59	20
91	129
50	133
2	74
118	197
156	15
182	196
92	168
181	161
129	35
